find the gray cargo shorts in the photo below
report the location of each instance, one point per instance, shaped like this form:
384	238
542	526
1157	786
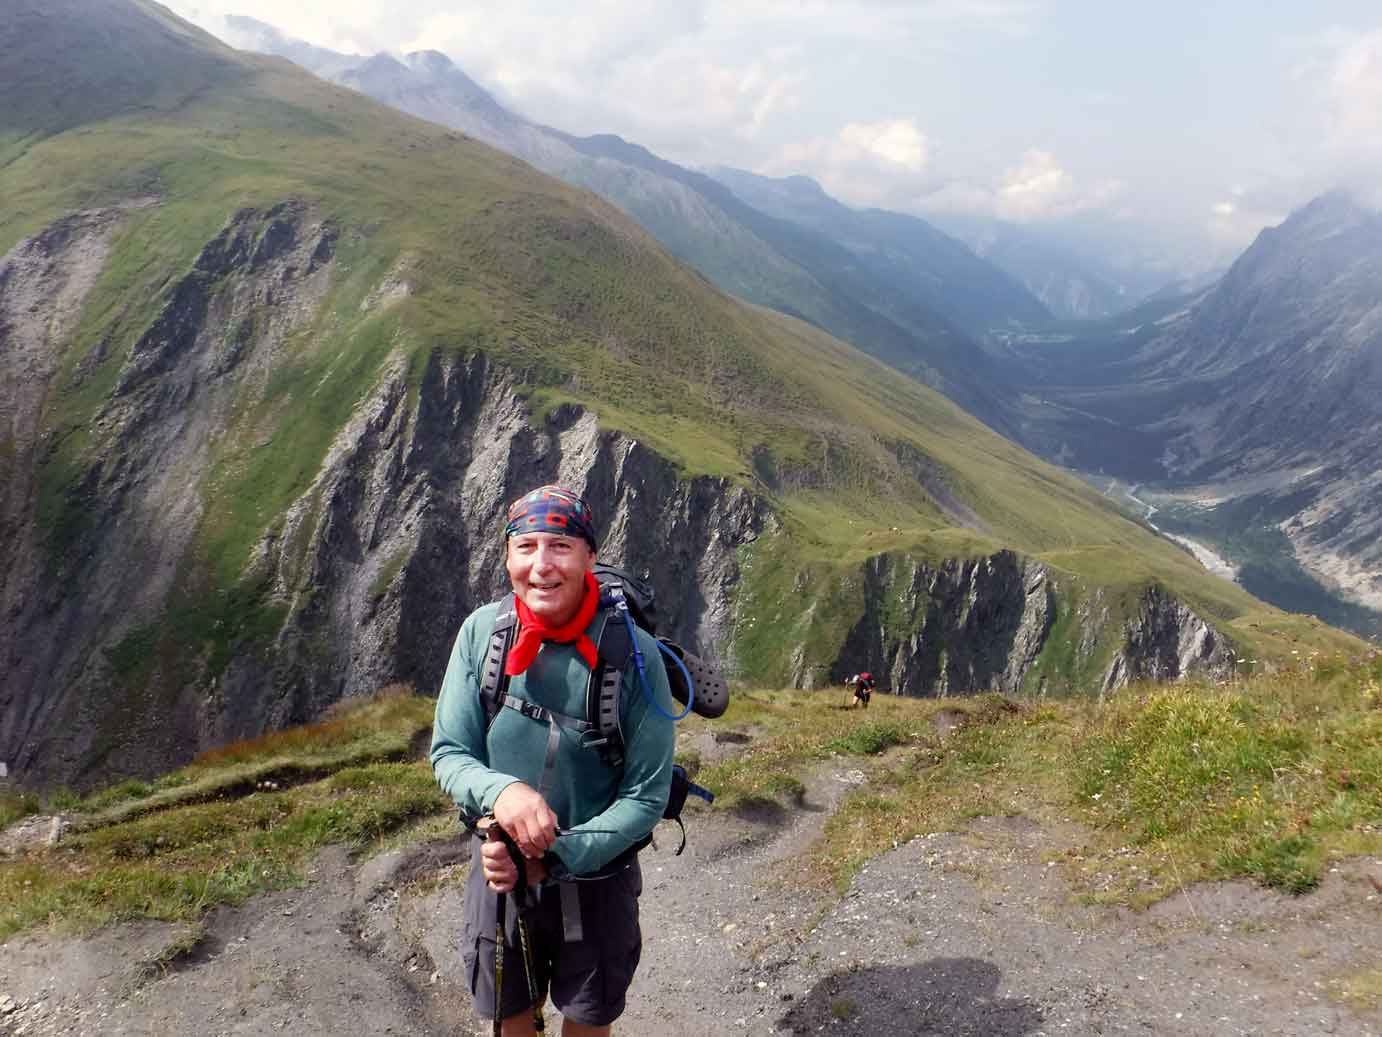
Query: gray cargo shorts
587	978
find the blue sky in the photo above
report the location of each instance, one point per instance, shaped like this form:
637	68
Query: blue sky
1184	126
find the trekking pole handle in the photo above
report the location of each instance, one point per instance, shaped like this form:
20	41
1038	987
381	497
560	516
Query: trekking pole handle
494	832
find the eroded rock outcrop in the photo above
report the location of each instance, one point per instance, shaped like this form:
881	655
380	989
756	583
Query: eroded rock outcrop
984	624
401	536
1166	641
960	627
103	534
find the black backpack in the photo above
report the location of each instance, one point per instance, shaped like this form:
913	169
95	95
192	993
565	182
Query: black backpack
700	687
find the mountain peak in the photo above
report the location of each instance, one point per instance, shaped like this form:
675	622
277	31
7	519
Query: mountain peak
803	186
614	146
1335	220
1331	212
798	186
380	70
429	62
253	28
382	62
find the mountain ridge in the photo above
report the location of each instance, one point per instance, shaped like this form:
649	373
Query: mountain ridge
905	253
763	259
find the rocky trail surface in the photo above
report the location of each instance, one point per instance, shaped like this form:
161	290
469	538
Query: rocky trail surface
973	932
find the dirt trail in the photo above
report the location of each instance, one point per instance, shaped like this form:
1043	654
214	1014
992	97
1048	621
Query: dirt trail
974	933
952	933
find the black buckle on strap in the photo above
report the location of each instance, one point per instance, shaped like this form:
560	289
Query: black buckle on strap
532	710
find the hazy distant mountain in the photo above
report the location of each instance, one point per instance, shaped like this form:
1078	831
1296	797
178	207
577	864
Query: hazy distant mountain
1183	287
251	34
1071	286
1291	341
881	292
1267	388
428	85
903	255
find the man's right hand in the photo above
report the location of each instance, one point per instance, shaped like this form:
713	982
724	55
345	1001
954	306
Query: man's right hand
501	874
526	816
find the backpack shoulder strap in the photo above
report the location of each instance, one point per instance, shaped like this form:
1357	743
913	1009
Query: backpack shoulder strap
606	682
494	682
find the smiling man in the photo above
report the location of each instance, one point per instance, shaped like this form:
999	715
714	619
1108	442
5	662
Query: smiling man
518	750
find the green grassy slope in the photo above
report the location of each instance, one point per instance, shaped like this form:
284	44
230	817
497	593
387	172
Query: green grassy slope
545	279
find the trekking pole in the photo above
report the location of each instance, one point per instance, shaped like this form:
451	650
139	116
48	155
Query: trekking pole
496	832
499	913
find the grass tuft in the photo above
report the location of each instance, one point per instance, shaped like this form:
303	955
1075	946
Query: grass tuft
1261	779
16	806
869	739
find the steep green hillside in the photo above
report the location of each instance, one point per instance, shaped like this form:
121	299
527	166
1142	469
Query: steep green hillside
268	422
122	59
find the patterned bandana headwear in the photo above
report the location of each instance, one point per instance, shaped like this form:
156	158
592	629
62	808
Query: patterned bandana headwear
552	509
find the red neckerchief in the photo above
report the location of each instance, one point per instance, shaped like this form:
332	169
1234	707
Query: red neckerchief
532	631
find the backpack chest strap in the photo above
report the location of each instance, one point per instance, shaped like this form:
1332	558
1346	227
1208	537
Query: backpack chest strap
555	722
535	711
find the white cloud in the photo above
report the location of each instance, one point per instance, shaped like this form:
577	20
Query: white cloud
1040	188
873	163
888	164
662	74
348	26
957	196
1342	80
898	142
921	23
693	79
1354	88
1034	187
1234	222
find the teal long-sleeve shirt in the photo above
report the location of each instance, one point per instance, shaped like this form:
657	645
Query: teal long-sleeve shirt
587	795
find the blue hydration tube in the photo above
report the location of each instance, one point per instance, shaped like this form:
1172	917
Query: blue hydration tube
643	676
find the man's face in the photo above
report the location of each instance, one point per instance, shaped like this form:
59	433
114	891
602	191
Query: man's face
547	571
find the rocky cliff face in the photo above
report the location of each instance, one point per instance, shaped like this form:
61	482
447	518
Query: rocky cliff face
958	628
98	545
1166	640
402	535
123	649
986	624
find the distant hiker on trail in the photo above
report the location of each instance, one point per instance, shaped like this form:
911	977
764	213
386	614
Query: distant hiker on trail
540	788
863	688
